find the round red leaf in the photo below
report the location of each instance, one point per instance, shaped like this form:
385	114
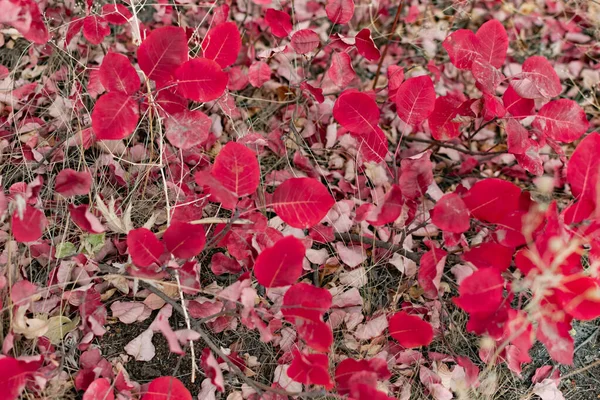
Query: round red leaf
302	202
410	330
236	167
538	79
493	42
304	41
415	100
115	116
450	214
143	247
356	111
29	228
562	120
259	73
281	264
95	29
583	168
72	183
100	389
365	45
492	199
118	75
200	79
116	14
222	44
279	22
167	388
339	11
162	52
184	240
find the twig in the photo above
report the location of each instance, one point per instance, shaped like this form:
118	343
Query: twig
454	147
351	237
385	48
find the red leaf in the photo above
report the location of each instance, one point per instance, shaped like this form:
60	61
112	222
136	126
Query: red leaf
365	45
302	202
188	129
116	14
516	105
84	219
310	369
100	389
200	79
72	183
356	111
416	174
490	255
118	75
259	73
144	248
481	292
304	41
493	42
463	48
431	270
372	145
517	137
162	52
415	100
390	210
305	301
184	240
31	227
317	334
14	375
395	75
451	214
222	44
349	368
441	120
562	120
491	199
279	22
115	116
339	11
537	80
488	78
409	330
95	29
167	388
584	166
580	297
236	167
218	193
341	72
553	331
281	264
212	370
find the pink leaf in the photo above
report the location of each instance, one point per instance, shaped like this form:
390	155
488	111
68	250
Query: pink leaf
562	120
341	72
236	167
184	240
493	42
451	214
349	368
302	202
281	264
395	75
222	44
279	22
118	75
356	111
115	116
365	45
372	145
409	330
167	388
188	129
29	228
463	48
212	370
95	29
201	79
304	41
537	80
100	389
584	166
441	120
415	100
162	52
431	270
488	78
14	375
259	73
218	192
517	137
305	301
339	11
492	199
116	14
84	219
72	183
390	210
144	248
310	369
416	174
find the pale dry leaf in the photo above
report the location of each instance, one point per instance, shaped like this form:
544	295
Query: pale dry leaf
141	347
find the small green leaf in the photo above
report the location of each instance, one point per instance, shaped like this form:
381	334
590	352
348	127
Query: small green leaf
94	242
65	249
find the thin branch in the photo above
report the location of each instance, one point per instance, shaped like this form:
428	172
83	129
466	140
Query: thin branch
454	147
351	237
385	48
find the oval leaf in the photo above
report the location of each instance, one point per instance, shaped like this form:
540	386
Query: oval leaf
162	52
144	248
72	183
302	202
29	228
188	129
281	264
184	240
118	75
279	22
339	11
415	100
304	41
236	167
493	42
115	116
201	80
167	388
410	330
356	112
562	120
538	79
222	44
